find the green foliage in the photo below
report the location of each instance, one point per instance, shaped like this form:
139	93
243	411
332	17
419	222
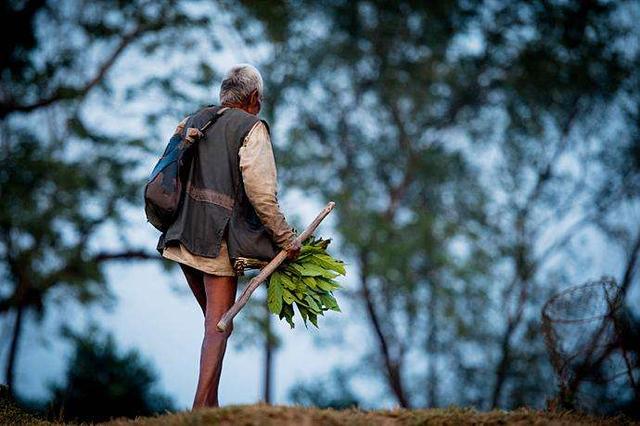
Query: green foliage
455	136
308	284
103	382
333	390
69	173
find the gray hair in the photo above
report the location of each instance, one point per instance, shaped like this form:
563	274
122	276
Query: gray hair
239	82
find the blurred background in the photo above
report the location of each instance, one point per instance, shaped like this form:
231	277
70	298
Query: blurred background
483	155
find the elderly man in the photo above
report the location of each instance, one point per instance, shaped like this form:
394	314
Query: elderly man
230	211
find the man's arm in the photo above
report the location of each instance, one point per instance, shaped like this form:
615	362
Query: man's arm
258	167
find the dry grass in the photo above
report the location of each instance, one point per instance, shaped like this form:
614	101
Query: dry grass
262	414
10	413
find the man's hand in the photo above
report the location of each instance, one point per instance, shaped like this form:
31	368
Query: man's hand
293	250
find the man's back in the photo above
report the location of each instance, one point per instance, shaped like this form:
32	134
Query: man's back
232	174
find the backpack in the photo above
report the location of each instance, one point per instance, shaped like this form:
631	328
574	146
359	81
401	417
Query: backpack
164	188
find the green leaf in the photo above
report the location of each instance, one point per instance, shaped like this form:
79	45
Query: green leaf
329	262
315	297
330	274
287	281
274	295
308	269
307	249
303	313
327	284
313	318
287	296
287	313
328	300
312	304
310	282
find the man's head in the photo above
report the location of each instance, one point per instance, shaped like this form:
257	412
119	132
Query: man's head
242	88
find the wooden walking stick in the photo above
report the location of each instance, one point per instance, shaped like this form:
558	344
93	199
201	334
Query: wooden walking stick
269	269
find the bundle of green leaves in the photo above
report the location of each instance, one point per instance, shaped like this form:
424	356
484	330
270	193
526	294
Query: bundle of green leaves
308	283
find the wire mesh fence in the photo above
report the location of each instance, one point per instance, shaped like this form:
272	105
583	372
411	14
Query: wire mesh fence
583	329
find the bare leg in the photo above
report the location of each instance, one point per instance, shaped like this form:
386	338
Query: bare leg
195	279
220	293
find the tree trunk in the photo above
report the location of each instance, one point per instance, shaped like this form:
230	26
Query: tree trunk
13	348
432	385
268	358
503	365
392	366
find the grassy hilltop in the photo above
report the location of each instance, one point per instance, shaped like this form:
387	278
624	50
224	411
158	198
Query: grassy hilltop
262	414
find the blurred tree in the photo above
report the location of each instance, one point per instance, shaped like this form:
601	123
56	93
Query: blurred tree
467	145
375	144
69	179
65	181
330	392
103	383
562	69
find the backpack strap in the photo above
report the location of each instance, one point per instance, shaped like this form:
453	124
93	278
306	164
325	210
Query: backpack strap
213	120
193	134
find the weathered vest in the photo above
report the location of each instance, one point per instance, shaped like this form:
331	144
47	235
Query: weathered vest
215	204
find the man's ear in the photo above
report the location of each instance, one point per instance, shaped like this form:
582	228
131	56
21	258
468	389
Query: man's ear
254	98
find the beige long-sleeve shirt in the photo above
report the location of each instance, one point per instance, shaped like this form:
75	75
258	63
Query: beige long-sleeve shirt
259	173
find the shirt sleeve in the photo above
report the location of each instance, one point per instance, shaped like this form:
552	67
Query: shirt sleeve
258	168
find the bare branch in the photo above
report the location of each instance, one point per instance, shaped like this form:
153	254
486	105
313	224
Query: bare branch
65	93
630	268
